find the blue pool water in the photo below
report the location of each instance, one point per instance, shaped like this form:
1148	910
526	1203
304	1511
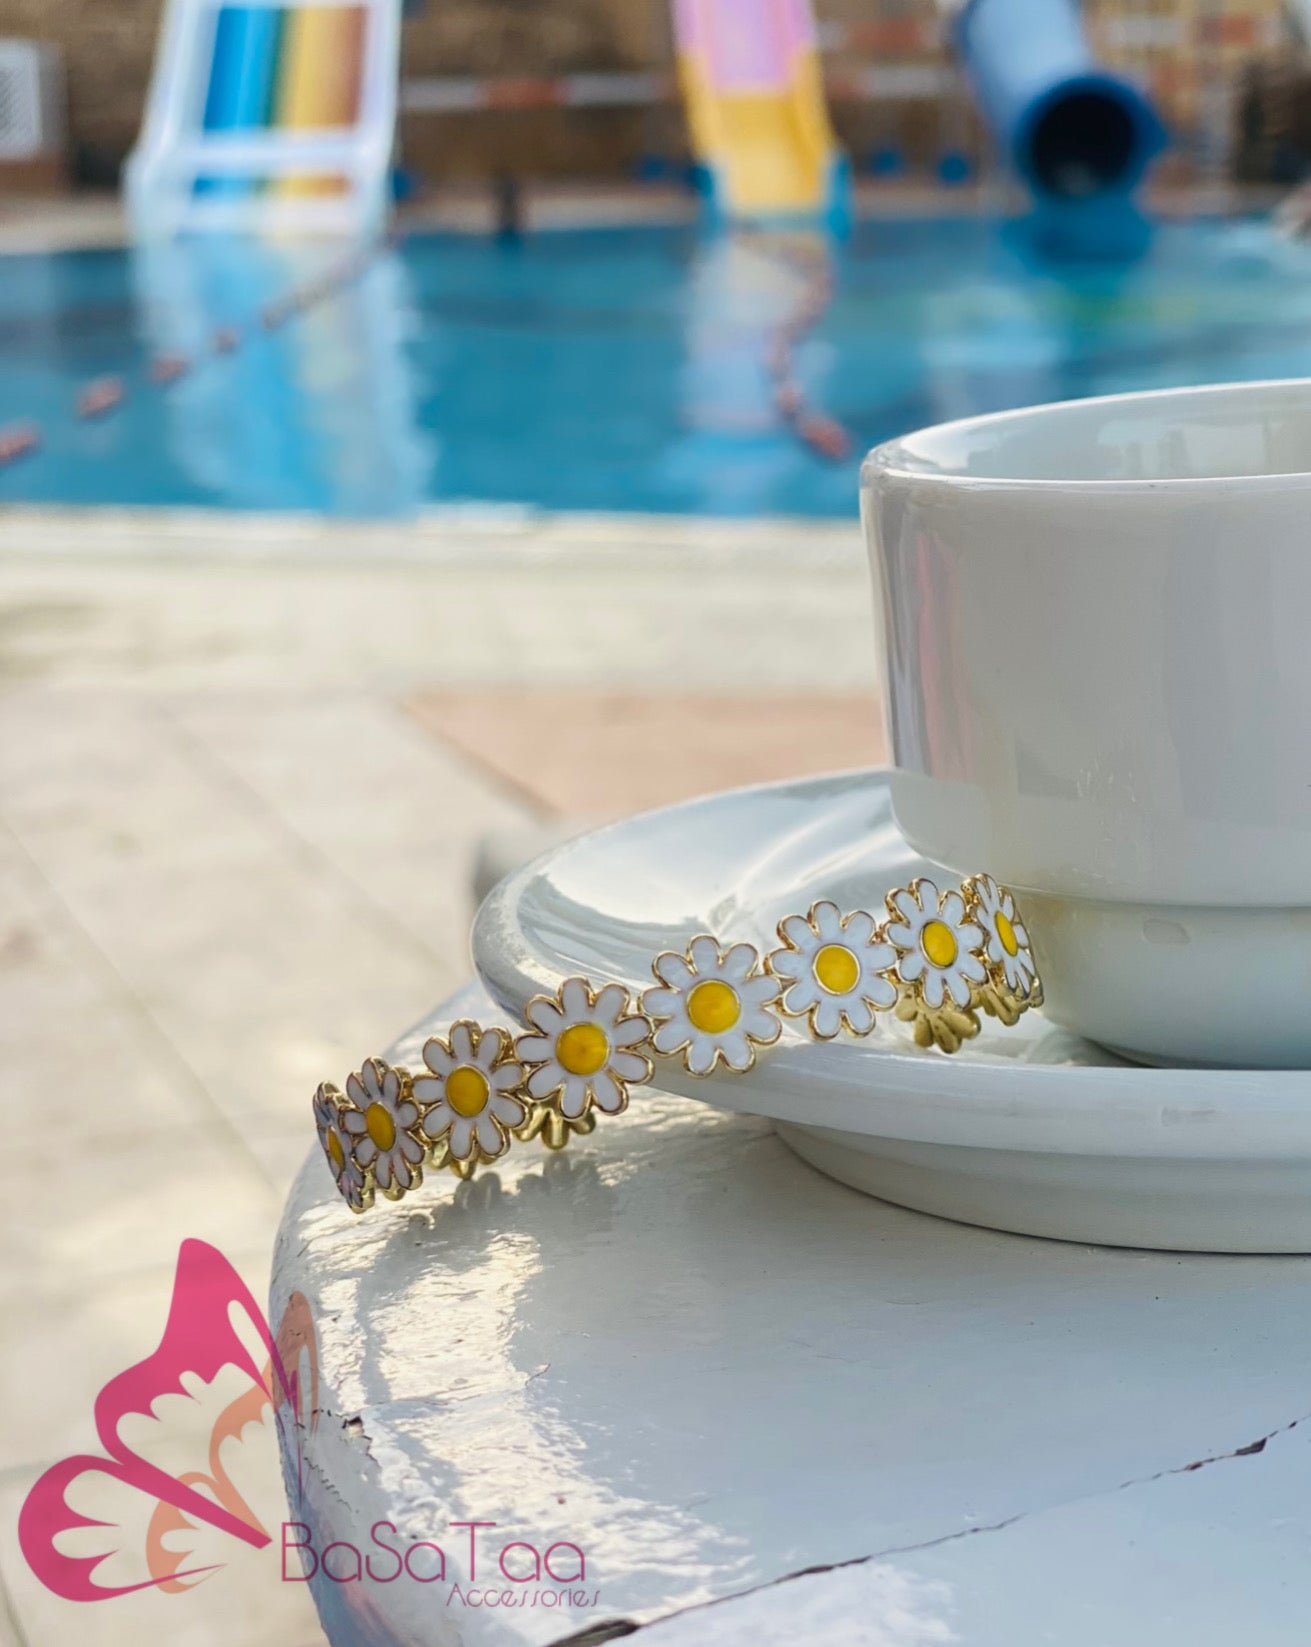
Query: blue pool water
617	369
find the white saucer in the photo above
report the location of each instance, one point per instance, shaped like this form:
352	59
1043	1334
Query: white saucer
1027	1129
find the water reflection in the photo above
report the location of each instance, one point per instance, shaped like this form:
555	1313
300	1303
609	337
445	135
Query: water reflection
316	413
621	369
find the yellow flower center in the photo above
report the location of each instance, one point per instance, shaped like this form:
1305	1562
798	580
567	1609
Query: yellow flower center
1006	932
467	1090
837	969
382	1129
938	942
582	1049
336	1154
713	1007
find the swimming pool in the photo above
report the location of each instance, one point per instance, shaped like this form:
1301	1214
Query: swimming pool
629	369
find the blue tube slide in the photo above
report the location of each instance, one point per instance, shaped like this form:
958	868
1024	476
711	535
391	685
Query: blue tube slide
242	80
1072	131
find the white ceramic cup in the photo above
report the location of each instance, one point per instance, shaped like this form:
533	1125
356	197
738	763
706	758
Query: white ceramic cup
1096	630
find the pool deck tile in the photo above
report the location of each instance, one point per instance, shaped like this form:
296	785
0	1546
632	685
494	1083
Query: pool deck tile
599	756
243	787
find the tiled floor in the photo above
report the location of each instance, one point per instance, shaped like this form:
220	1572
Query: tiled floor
243	776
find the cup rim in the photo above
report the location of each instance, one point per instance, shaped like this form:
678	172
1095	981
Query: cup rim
897	459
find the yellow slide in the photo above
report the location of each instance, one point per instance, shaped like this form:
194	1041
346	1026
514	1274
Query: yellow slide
755	104
319	83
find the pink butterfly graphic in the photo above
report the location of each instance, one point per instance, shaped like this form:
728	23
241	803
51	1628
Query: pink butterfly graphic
94	1527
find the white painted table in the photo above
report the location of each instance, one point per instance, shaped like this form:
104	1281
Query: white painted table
728	1380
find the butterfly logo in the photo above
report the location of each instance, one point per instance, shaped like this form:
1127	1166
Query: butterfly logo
188	1481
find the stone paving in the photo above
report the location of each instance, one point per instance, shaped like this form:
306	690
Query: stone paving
245	770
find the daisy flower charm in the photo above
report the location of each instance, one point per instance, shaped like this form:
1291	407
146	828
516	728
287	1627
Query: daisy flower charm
381	1120
469	1093
354	1189
832	966
1013	982
713	1005
583	1052
939	963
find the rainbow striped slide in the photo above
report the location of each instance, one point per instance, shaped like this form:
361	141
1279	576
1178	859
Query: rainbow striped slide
293	69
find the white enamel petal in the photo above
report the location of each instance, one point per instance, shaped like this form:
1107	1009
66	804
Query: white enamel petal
354	1123
828	1018
971	966
573	998
903	901
933	987
796	930
491	1044
754	992
505	1077
461	1138
672	970
735	1048
631	1066
827	919
878	990
438	1060
544	1081
952	909
535	1049
704	953
860	1016
672	1036
739	961
701	1053
356	1093
573	1097
610	1003
509	1110
761	1026
662	1003
957	986
438	1121
607	1093
859	929
462	1044
787	963
366	1151
544	1015
429	1089
628	1032
490	1137
904	937
802	995
911	965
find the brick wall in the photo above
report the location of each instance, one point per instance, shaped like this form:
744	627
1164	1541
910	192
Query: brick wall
108	45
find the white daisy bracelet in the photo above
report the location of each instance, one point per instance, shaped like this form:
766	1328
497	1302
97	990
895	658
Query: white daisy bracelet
935	961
